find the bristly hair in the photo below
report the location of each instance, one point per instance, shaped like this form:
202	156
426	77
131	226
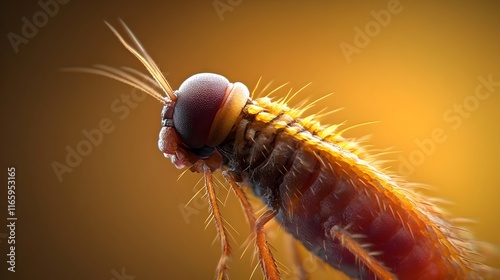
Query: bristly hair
152	86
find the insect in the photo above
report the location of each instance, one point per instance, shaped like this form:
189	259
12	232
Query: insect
325	190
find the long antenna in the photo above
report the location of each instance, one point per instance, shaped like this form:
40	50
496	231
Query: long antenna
144	58
152	85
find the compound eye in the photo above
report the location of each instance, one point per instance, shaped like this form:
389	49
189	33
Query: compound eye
199	109
198	100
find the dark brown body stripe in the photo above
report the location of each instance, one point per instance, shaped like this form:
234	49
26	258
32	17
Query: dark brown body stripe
312	197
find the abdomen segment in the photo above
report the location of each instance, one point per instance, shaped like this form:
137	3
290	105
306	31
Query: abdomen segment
342	209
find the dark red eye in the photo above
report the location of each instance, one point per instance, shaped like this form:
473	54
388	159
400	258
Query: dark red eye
198	101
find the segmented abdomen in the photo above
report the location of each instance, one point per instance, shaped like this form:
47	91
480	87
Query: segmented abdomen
319	187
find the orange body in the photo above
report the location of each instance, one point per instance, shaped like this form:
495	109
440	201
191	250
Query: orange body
324	189
340	206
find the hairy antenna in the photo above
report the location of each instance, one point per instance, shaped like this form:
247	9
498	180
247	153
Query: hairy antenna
144	58
152	86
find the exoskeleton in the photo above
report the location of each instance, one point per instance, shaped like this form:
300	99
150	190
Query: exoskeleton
322	188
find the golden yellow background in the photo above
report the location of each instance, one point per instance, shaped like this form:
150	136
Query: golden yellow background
119	208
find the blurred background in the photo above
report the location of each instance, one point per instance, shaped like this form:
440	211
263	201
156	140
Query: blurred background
95	199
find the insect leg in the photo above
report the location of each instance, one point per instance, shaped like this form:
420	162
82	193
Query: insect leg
231	178
267	262
266	258
349	242
219	224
